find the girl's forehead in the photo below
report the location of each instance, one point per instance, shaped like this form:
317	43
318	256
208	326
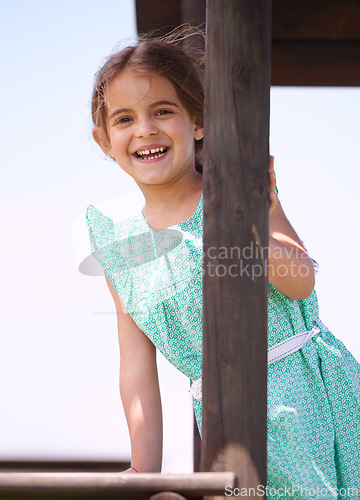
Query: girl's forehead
130	87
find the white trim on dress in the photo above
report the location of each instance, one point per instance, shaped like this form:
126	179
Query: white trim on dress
275	353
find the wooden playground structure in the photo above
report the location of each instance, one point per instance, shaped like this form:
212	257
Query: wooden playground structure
309	43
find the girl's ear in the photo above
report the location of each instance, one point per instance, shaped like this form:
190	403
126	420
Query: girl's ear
98	136
198	132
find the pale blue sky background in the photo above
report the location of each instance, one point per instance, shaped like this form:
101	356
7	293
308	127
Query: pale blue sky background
58	345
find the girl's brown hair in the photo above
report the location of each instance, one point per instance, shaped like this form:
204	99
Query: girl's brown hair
163	56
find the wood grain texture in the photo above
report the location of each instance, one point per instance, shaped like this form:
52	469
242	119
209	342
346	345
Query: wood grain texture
235	219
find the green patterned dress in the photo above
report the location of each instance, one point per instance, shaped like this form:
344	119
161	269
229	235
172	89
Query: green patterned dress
313	393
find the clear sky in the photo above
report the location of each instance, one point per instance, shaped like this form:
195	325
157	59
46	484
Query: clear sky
58	346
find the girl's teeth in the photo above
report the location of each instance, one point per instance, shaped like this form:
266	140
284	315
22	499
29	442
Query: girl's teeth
147	152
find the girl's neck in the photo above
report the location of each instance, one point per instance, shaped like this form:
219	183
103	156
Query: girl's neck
170	205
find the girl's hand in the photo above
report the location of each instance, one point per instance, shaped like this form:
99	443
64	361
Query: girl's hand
290	268
273	199
130	470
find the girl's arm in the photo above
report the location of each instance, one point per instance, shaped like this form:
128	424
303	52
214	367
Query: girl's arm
290	269
139	389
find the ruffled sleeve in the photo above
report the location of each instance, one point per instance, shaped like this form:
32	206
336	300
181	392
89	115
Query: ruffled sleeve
112	254
101	233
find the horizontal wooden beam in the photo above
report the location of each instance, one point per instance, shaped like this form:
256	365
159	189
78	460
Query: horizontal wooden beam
316	20
313	43
316	63
111	484
331	20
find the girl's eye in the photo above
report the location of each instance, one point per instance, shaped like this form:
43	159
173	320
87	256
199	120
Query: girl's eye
162	112
124	119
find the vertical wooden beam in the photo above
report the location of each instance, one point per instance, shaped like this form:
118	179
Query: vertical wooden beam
163	15
193	12
235	237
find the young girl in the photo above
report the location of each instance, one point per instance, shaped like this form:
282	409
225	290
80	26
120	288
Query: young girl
147	109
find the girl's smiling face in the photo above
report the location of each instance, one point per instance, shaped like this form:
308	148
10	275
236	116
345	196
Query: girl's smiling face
150	133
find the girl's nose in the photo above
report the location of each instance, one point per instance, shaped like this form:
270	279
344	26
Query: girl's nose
146	127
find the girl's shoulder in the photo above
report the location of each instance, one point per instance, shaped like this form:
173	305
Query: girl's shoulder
118	213
101	226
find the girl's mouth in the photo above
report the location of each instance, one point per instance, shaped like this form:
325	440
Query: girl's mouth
151	154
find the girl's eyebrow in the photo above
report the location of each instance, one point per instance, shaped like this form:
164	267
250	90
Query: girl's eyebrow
153	105
164	103
118	111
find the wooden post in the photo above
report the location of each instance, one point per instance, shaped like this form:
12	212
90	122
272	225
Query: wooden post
235	236
193	12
